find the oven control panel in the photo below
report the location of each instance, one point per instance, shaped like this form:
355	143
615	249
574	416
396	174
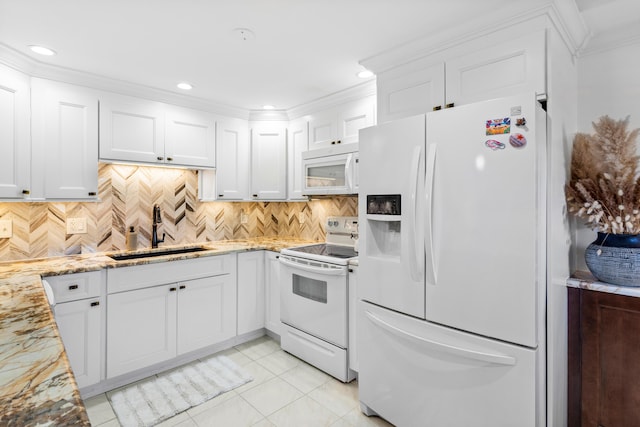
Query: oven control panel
342	224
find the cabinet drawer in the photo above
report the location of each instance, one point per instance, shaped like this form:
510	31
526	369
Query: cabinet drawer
147	275
77	286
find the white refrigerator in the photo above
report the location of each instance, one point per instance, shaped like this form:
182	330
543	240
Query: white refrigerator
451	317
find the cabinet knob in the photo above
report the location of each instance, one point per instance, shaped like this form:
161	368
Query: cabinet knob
26	192
160	158
95	303
220	195
351	270
333	142
449	105
255	195
92	193
339	142
437	107
172	289
73	287
183	287
170	159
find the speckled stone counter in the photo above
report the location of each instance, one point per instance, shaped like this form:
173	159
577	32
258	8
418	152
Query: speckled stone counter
37	386
585	280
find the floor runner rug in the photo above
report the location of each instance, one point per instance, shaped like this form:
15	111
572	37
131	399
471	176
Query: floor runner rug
149	402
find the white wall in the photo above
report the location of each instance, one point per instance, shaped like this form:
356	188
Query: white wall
562	117
608	83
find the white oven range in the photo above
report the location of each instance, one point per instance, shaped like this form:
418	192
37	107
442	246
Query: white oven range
314	298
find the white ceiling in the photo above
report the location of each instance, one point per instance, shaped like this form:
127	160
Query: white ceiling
303	49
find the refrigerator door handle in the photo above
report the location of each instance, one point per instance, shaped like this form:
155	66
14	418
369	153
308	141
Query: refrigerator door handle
495	358
414	256
432	273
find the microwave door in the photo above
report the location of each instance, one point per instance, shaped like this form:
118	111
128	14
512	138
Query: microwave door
327	175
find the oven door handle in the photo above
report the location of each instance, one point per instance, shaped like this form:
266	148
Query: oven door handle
312	269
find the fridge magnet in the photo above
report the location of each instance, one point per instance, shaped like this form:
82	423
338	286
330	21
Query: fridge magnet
521	121
498	126
494	145
517	140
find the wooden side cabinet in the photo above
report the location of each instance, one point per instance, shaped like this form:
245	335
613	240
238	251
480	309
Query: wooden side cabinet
604	359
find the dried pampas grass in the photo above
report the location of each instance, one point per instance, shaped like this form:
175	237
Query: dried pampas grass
604	187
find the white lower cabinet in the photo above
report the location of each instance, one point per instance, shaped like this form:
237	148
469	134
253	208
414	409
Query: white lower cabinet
141	328
79	315
206	312
272	292
250	291
164	320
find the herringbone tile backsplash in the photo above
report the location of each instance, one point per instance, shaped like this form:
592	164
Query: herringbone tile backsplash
127	195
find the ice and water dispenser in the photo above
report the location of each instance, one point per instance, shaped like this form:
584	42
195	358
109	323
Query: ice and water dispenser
384	213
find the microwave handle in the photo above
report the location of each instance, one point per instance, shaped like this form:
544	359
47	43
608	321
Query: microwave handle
348	168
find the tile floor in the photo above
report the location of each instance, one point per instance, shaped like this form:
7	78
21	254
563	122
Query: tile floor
285	391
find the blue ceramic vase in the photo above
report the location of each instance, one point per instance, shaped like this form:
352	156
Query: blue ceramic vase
615	258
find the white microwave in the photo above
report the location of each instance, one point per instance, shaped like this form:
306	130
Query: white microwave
330	171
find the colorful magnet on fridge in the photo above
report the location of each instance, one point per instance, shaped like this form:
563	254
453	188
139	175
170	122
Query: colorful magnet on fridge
498	126
517	140
521	121
494	145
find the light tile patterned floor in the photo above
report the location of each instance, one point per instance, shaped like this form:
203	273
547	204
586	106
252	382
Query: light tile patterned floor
285	391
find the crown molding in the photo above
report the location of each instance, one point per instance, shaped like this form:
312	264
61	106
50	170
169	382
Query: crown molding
34	68
610	40
563	14
353	93
268	115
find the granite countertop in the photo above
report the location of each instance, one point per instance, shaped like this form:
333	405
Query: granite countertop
585	280
37	386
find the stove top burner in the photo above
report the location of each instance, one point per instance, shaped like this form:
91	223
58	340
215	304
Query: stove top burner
336	251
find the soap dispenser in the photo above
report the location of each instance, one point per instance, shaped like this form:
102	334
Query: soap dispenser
132	239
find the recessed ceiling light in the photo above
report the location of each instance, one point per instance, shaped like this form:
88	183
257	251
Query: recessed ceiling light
365	74
185	86
42	50
268	107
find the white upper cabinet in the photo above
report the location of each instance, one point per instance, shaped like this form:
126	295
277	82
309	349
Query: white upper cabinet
131	129
15	134
488	67
141	131
269	161
190	137
404	94
340	125
233	167
65	140
298	142
514	66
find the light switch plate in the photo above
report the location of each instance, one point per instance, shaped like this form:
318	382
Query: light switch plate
76	225
6	228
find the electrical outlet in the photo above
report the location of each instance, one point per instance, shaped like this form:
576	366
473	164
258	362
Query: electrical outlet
244	218
6	230
302	217
76	225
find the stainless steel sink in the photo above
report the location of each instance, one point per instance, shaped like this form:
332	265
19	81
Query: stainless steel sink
177	251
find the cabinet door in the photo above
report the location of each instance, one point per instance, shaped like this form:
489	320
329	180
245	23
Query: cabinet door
514	66
190	138
353	117
141	328
353	307
269	162
80	326
15	134
131	129
298	137
403	93
206	312
323	129
233	165
272	292
250	291
65	131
